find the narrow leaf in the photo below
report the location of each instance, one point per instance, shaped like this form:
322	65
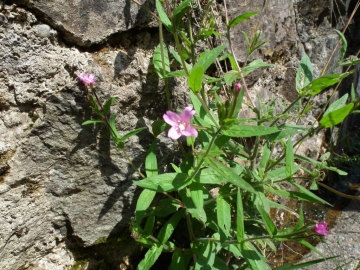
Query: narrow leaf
164	182
335	117
304	74
208	57
343	43
241	18
248	131
205	252
316	86
89	122
150	257
240	229
252	257
289	158
158	127
132	133
195	79
151	167
162	15
169	227
157	61
223	213
229	175
107	105
145	199
184	4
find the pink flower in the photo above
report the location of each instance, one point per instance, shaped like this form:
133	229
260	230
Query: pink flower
321	228
87	79
238	86
180	124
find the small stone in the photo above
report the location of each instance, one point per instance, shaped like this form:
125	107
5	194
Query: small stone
43	30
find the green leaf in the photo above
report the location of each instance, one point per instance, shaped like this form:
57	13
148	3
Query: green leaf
197	213
269	224
178	59
311	196
248	131
89	122
196	192
241	18
157	61
149	226
289	158
343	43
169	227
223	213
208	57
280	173
252	257
335	117
200	111
180	260
145	199
151	256
219	264
163	17
240	229
320	165
178	73
352	91
107	105
151	167
304	74
231	76
254	65
293	266
209	176
229	175
265	158
239	101
166	207
316	86
132	133
165	182
285	131
184	4
195	79
205	252
337	104
114	133
158	127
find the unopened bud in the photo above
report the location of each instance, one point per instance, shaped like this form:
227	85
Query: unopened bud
238	86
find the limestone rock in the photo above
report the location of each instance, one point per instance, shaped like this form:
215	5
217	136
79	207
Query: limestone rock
90	22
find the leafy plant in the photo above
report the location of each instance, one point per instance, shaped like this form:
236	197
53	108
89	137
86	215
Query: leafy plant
222	189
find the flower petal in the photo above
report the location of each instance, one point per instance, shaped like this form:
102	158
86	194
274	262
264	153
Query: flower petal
187	114
190	131
173	133
171	118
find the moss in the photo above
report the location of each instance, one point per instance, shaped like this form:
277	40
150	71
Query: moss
80	265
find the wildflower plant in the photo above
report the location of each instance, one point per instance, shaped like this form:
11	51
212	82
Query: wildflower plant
221	190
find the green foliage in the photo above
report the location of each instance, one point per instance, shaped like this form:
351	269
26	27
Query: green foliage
221	191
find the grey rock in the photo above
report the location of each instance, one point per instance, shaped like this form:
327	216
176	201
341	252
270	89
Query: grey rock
90	22
43	30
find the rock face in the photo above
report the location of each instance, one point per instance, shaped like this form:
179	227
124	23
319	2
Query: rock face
59	178
86	22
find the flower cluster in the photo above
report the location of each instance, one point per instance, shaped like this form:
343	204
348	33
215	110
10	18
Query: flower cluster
320	228
180	124
87	79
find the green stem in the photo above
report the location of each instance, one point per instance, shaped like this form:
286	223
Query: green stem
339	193
198	167
161	38
298	142
287	109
